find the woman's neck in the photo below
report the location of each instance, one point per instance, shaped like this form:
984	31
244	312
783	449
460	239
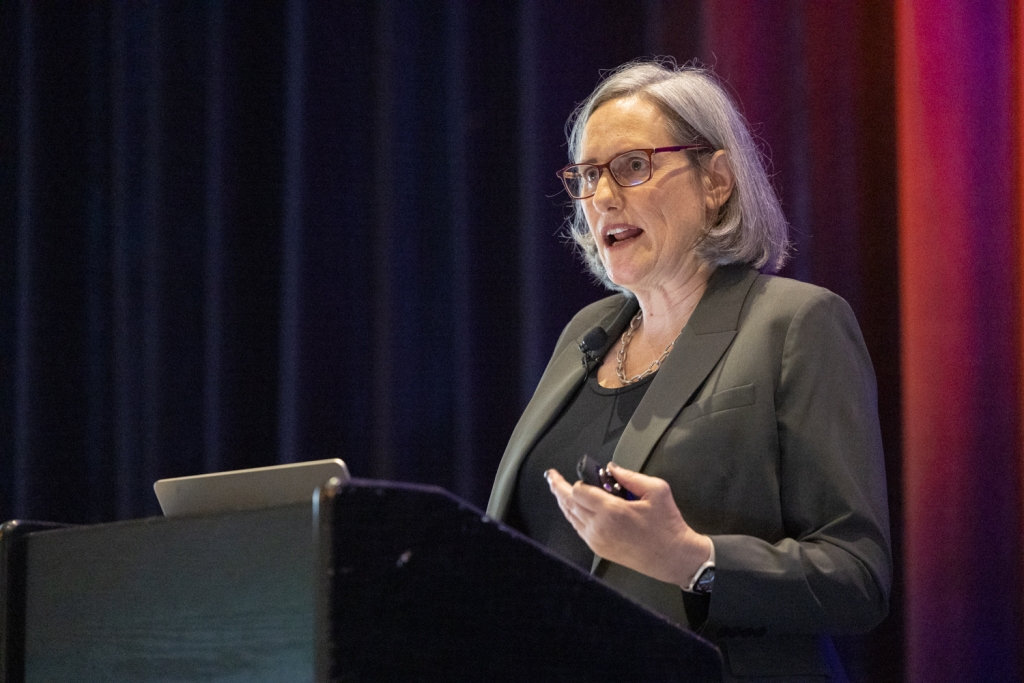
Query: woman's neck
668	308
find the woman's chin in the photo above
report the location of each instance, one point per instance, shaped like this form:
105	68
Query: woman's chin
626	267
623	277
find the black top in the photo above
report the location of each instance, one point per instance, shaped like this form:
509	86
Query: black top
591	423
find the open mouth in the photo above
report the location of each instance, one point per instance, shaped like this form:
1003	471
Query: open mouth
620	234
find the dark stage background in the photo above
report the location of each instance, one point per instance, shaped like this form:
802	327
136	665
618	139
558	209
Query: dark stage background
237	234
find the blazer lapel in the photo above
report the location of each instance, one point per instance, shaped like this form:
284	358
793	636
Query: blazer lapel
698	349
560	381
700	346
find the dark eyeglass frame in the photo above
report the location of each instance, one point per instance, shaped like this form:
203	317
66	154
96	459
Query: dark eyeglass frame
650	152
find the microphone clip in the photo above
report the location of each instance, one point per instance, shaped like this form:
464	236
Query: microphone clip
592	345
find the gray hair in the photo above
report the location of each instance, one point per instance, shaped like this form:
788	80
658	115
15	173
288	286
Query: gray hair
750	226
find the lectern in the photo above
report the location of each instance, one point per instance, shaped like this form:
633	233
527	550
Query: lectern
372	581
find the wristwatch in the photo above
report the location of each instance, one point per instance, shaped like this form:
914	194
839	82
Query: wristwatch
705	581
704	578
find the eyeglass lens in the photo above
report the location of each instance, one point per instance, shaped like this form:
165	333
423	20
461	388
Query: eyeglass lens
628	169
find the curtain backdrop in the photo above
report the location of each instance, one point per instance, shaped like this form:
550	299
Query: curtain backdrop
235	234
959	97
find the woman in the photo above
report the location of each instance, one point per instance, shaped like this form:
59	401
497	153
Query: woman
739	408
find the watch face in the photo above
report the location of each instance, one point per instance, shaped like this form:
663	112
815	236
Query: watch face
706	581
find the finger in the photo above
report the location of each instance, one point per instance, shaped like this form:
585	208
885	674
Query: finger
570	515
593	498
634	482
558	485
570	511
556	480
569	495
564	494
567	502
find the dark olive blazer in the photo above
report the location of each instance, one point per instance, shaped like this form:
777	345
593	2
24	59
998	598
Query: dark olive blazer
764	422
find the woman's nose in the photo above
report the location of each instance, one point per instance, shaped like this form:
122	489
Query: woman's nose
606	195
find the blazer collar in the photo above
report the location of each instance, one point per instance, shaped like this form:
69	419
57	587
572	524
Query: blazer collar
699	347
559	383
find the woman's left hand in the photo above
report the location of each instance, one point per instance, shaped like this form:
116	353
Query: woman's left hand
648	535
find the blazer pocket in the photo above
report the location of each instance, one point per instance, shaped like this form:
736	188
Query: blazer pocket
737	397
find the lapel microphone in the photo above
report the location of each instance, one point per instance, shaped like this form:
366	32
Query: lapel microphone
592	344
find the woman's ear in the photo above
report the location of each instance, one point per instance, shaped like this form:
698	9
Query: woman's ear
720	180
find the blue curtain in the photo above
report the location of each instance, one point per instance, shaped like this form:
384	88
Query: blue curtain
248	233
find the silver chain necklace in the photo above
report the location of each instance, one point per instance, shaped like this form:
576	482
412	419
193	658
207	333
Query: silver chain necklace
627	336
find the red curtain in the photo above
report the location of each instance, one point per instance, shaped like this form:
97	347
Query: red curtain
958	116
905	122
816	81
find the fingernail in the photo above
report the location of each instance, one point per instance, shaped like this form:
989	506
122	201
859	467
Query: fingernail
547	476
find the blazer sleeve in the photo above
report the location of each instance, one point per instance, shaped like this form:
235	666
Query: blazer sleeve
833	569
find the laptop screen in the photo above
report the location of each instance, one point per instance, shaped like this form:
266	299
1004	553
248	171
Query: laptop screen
247	489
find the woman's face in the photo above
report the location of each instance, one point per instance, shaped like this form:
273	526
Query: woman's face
645	234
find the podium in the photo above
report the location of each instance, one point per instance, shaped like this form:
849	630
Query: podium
372	581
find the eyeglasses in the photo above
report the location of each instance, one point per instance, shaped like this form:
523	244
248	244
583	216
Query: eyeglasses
628	169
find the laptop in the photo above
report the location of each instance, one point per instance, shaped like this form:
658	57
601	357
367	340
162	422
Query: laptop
247	489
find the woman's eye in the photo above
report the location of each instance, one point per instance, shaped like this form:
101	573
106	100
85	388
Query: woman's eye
591	175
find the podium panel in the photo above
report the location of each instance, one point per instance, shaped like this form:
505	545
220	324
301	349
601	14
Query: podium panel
374	581
420	586
219	598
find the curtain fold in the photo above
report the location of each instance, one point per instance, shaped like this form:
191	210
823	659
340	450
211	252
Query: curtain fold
958	72
816	82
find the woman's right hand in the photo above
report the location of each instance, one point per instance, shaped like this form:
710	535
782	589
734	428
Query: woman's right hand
648	535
